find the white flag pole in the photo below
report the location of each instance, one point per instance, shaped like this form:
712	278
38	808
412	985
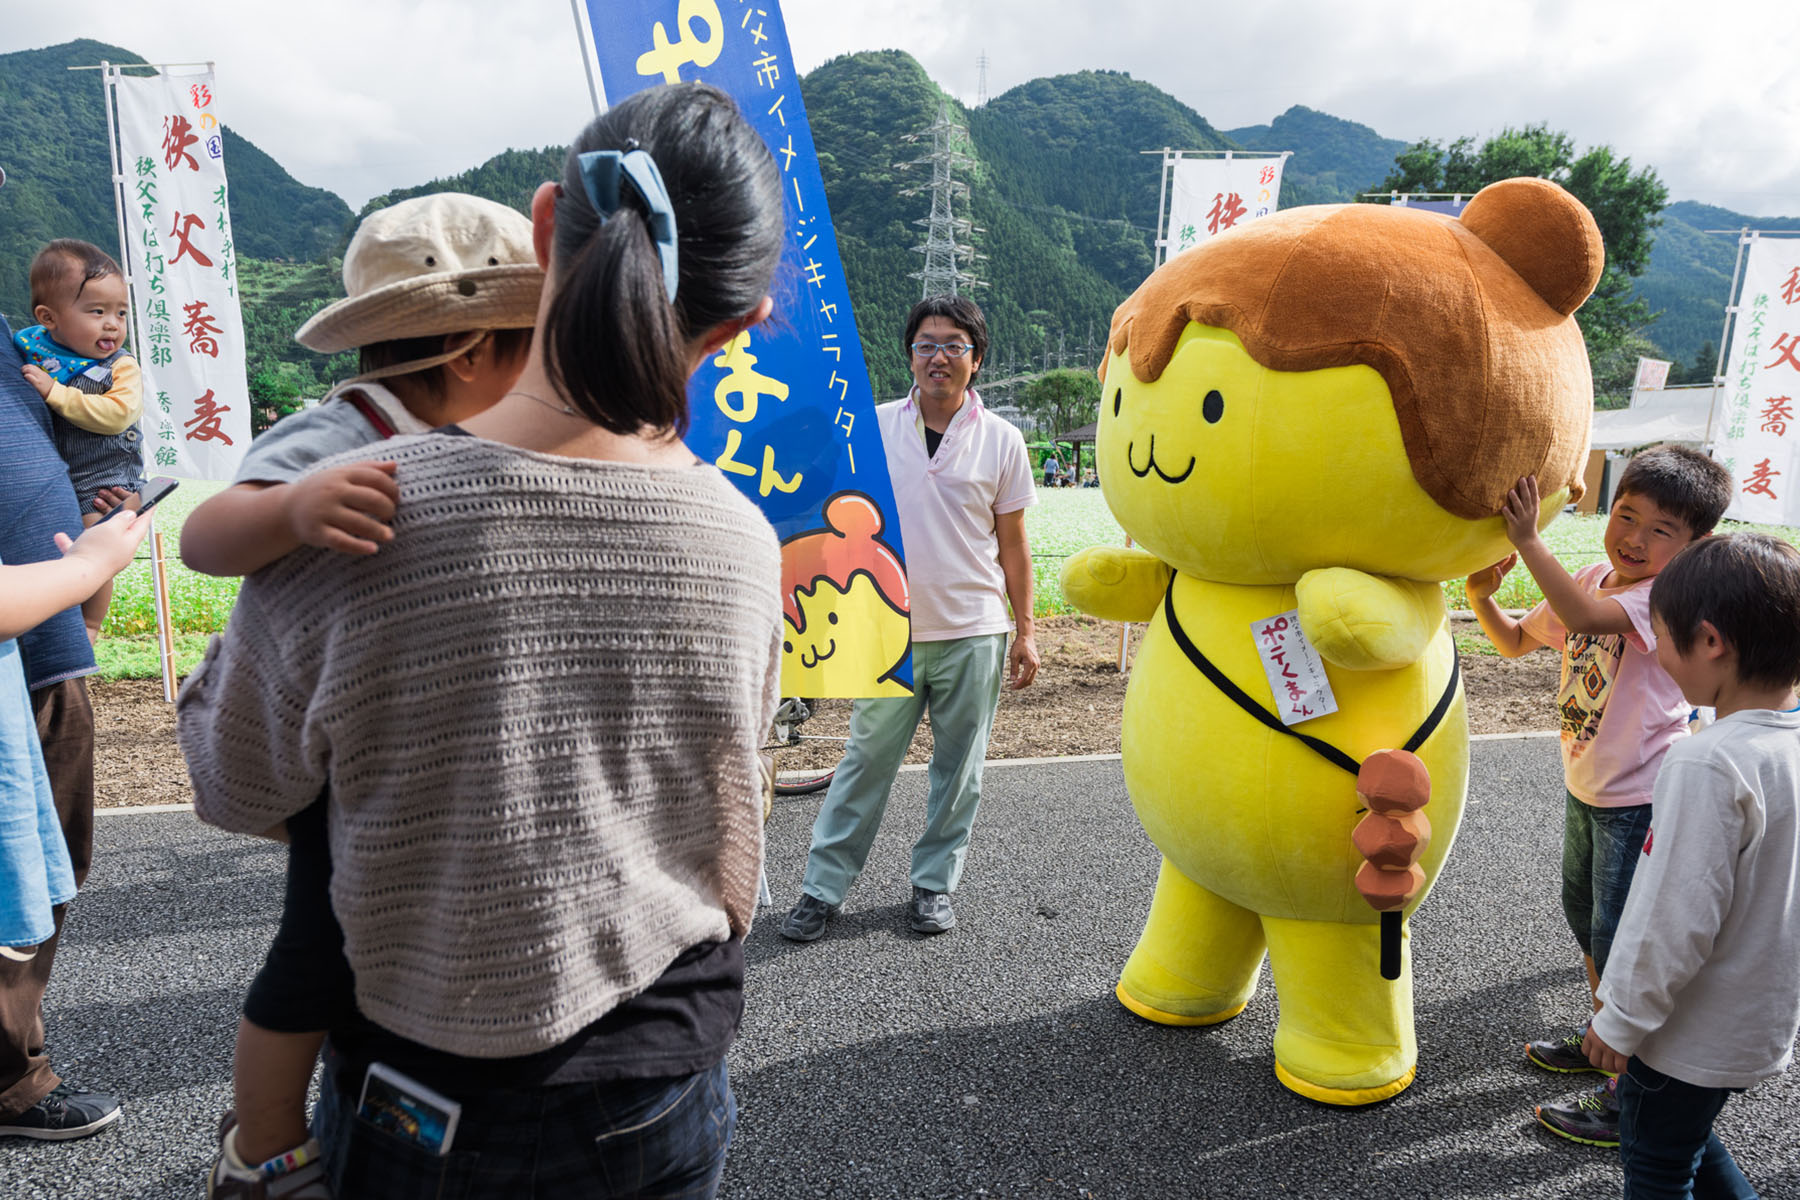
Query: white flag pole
1162	207
1745	237
584	34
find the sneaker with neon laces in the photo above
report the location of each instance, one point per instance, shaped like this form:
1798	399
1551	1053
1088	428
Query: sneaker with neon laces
1560	1054
297	1175
1591	1119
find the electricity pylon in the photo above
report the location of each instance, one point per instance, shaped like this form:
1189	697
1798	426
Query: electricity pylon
947	248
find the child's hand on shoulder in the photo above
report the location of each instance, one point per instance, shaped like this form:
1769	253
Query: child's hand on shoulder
1485	582
1520	510
347	509
36	378
108	545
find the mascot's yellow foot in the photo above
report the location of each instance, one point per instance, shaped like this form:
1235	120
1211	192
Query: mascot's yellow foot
1196	961
1344	1097
1151	1013
1346	1034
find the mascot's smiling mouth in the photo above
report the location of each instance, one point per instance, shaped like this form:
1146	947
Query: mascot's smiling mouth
1151	465
819	656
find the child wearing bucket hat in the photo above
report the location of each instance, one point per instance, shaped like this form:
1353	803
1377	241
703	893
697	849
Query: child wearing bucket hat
442	292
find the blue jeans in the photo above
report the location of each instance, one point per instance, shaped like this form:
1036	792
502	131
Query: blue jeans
631	1137
1601	848
1667	1142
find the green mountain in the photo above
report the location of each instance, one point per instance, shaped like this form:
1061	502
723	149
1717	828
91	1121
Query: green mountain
53	149
1690	273
1075	143
1334	160
509	177
1065	205
275	216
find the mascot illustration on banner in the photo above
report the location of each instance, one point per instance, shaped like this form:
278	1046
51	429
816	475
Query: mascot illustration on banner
1317	415
845	598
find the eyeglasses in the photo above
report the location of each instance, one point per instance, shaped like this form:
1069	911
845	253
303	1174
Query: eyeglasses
930	349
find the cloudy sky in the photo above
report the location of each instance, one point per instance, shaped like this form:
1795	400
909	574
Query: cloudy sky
361	96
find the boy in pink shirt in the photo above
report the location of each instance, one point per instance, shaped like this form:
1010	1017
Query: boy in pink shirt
1619	710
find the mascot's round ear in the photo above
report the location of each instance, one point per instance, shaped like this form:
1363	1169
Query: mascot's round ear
1543	233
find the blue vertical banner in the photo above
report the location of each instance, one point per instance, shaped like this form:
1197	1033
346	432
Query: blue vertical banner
786	410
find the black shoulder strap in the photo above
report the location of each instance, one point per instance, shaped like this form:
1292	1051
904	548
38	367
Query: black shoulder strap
1323	749
1430	724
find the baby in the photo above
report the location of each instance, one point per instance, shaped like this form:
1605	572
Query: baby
75	359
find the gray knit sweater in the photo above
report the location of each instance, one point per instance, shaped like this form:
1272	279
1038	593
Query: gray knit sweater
536	712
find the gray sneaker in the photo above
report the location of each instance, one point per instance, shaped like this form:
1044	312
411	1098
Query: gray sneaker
930	912
66	1113
805	921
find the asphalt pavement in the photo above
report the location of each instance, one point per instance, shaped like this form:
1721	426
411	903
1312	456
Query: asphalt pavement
990	1061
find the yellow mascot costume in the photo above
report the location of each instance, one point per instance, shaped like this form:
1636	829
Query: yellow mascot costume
1320	412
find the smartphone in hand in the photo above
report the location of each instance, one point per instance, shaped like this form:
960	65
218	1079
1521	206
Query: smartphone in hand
153	493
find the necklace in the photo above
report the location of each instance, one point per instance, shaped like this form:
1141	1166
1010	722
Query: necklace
561	408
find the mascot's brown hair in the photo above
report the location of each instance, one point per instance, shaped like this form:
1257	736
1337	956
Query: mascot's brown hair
1460	318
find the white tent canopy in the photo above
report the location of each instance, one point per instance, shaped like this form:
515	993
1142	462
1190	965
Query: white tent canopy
1676	414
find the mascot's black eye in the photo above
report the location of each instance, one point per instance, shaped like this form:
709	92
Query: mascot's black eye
832	617
1212	408
787	647
1118	395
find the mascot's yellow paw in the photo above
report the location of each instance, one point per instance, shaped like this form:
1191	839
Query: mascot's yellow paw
1363	622
1115	583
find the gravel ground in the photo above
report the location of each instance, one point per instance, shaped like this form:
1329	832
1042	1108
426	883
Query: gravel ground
992	1061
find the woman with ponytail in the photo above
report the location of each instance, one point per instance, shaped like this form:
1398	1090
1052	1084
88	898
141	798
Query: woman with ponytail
535	714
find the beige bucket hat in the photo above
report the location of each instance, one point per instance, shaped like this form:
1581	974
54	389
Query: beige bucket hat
431	265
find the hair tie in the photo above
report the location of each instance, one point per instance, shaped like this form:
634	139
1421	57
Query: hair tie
603	172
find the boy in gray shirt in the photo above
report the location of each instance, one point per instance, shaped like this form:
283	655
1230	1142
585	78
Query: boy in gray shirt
1701	997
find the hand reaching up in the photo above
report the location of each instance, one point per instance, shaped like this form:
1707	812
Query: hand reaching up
1520	511
1485	582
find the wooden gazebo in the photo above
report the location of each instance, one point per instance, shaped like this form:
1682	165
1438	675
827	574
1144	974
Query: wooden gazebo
1075	439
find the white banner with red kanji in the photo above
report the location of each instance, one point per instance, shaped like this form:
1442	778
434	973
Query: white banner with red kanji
190	335
1210	195
1754	434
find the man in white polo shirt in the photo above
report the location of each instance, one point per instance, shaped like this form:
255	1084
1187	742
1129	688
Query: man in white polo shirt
962	482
